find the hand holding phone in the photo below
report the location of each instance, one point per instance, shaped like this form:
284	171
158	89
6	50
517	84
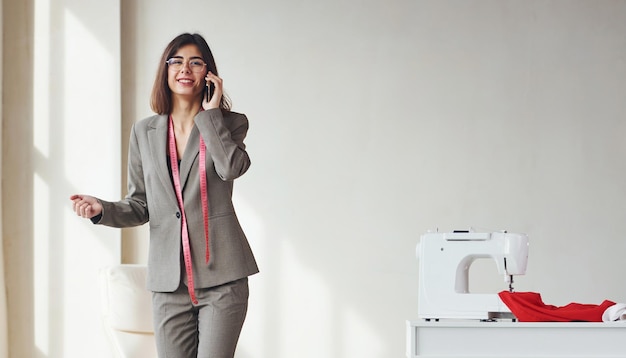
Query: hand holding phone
212	91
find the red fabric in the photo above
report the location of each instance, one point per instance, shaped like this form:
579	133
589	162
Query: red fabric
528	307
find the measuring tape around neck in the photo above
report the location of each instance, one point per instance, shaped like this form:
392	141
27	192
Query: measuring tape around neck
179	196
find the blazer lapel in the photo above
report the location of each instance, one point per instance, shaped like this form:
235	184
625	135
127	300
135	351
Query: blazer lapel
189	156
157	137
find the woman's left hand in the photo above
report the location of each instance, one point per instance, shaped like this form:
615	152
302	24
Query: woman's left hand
214	101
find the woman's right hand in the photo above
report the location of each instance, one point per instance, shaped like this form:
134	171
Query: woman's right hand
86	206
214	101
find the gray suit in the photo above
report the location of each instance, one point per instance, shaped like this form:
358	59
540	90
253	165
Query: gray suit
151	198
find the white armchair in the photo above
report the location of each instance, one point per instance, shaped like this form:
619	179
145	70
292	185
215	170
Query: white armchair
127	311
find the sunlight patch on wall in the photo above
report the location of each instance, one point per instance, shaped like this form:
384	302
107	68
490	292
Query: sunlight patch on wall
89	116
89	78
41	254
293	304
41	189
251	342
41	78
251	221
306	308
359	339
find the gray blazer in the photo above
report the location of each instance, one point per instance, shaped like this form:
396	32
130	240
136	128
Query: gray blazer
151	198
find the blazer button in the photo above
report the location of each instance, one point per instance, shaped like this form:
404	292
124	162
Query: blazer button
178	214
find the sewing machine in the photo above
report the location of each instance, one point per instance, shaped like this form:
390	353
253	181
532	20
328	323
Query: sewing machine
444	262
470	326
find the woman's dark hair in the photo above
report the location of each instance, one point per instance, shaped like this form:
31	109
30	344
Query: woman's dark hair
161	98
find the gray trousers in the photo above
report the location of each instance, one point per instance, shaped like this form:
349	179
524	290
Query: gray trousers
209	329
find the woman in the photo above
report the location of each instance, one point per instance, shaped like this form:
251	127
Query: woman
199	257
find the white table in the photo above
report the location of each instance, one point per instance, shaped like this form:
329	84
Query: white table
469	338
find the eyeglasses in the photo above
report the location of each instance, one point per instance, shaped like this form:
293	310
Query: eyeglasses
195	65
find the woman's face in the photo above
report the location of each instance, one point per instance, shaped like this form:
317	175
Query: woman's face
186	72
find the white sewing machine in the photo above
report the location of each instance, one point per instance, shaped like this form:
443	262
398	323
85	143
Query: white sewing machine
444	262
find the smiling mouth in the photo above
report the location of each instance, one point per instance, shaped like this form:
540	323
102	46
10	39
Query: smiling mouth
185	81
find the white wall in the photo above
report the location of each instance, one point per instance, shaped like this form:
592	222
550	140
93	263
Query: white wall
374	121
61	135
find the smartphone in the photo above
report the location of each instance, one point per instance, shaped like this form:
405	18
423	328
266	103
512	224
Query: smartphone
208	91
